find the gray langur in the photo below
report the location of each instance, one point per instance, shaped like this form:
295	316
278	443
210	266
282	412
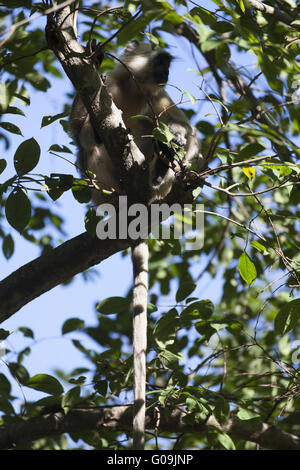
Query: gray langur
136	86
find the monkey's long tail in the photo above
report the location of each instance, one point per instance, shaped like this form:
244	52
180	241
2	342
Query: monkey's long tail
140	297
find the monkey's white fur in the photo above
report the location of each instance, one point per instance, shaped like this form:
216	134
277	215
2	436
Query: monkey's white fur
136	88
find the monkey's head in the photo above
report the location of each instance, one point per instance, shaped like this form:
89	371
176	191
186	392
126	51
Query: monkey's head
150	66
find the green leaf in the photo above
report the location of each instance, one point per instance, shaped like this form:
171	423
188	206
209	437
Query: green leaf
8	246
245	415
70	399
288	317
50	119
164	332
18	209
192	403
295	23
218	325
45	383
169	359
222	27
222	55
162	134
259	246
81	192
59	148
5	386
101	387
55	193
174	18
12	128
191	97
221	411
72	324
206	16
14	110
3	334
200	309
141	117
62	181
250	150
27	156
226	441
90	221
27	332
134	28
79	381
38	81
113	305
247	269
151	308
58	183
3	165
185	289
204	328
19	372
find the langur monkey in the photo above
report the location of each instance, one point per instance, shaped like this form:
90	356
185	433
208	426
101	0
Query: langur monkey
136	86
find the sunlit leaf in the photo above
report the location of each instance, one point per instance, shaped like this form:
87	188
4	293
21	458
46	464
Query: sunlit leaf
249	171
247	269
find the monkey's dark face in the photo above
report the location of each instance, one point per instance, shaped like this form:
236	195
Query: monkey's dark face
159	65
149	66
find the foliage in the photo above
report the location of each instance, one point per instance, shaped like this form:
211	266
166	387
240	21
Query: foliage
238	357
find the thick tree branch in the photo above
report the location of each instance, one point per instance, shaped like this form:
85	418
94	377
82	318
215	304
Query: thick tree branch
119	418
53	268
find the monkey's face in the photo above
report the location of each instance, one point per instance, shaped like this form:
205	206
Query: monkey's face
149	66
160	66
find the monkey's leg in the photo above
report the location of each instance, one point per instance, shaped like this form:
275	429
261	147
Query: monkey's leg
140	298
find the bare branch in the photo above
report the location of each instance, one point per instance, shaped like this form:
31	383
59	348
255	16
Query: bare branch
257	193
233	222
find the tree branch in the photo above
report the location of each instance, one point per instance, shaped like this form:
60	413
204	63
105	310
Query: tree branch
51	269
271	11
119	418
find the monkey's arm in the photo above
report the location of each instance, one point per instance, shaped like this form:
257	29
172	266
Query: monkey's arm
185	135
